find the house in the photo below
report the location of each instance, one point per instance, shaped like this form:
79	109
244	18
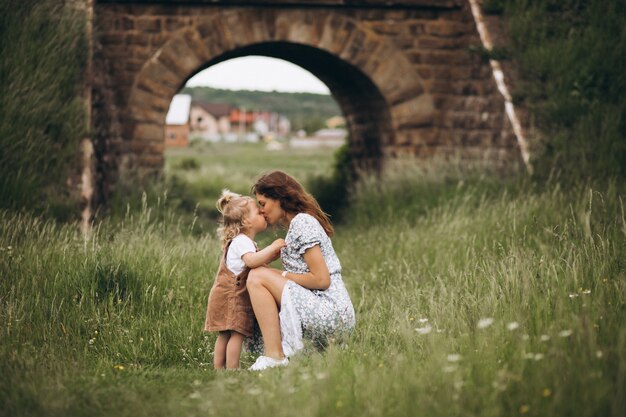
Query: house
240	119
329	138
209	121
330	134
243	125
258	124
177	122
336	122
271	124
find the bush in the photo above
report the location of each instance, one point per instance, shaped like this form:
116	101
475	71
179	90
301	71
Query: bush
332	192
189	164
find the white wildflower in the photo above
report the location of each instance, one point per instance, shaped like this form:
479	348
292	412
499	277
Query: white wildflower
512	325
565	333
544	338
573	295
599	354
454	357
538	356
586	291
424	320
424	330
484	323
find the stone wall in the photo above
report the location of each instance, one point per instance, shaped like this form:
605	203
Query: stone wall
404	74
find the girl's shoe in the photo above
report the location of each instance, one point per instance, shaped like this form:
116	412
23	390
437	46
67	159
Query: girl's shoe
265	362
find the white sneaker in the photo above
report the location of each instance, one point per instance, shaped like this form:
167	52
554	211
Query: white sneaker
265	362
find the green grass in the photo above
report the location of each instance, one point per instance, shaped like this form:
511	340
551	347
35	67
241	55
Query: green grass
42	118
239	165
110	324
570	56
194	178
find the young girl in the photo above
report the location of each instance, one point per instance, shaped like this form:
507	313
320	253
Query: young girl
229	311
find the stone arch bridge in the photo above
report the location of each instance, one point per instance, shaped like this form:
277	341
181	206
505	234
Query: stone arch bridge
402	71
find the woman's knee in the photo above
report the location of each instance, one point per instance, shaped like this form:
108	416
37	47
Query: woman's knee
255	278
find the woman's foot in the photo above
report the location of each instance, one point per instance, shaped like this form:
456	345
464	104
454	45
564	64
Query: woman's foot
265	362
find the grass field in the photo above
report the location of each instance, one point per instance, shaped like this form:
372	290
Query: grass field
195	177
473	298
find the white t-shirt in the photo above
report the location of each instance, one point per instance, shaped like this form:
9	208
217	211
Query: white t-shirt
239	246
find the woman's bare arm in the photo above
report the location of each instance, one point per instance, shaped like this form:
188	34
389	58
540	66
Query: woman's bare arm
318	277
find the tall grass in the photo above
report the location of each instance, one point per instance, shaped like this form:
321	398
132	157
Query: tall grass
110	324
43	51
570	54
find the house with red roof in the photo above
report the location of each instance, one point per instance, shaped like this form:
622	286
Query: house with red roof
209	121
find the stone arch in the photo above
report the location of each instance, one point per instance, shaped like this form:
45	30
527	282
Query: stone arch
375	85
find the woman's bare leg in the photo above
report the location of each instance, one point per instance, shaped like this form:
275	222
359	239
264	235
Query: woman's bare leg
265	287
219	353
233	350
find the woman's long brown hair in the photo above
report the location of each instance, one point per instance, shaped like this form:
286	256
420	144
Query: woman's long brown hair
293	199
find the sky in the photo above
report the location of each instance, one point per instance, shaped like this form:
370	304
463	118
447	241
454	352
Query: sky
258	73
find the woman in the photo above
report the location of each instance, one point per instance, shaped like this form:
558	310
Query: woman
307	300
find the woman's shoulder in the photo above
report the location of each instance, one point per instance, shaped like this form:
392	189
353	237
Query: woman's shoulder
304	219
305	223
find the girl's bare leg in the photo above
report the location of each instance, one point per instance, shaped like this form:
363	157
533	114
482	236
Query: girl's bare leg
233	350
265	287
219	353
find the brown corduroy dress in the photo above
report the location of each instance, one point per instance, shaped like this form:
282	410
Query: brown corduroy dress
229	306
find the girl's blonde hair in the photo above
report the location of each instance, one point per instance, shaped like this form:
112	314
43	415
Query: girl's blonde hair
235	209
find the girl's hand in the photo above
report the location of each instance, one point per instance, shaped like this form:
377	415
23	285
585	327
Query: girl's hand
279	243
266	255
276	246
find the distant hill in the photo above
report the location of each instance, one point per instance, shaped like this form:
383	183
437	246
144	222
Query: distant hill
306	111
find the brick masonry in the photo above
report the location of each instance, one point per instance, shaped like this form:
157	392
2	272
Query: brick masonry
403	73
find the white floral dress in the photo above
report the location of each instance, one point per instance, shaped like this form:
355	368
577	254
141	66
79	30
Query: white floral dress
314	315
